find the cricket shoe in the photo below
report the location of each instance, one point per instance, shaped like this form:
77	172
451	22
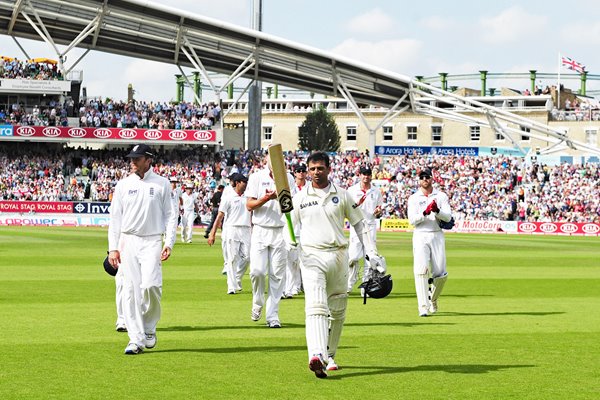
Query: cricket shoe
274	324
133	349
121	327
317	365
433	307
256	313
331	365
150	340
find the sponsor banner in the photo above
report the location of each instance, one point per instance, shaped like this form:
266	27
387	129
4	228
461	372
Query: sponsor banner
36	207
90	208
485	226
37	220
6	130
560	228
35	86
426	150
112	134
396	225
503	151
93	221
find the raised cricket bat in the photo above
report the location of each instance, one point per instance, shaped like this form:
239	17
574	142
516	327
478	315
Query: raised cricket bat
284	195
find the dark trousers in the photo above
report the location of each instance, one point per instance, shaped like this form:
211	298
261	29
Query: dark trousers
213	217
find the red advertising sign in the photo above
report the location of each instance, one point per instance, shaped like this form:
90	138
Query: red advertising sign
62	207
559	228
111	134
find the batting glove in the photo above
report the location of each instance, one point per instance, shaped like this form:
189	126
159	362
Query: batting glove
378	262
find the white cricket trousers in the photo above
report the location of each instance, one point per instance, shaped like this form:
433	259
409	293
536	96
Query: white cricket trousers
356	252
119	284
142	275
325	279
268	256
237	255
187	226
429	253
293	280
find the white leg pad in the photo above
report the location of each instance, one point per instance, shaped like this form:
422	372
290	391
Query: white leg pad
337	311
437	286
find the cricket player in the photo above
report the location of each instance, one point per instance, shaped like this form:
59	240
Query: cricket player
189	207
268	254
320	209
235	218
425	208
369	201
140	213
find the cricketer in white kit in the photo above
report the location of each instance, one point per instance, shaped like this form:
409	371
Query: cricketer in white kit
425	208
369	200
189	206
234	218
320	209
268	253
141	212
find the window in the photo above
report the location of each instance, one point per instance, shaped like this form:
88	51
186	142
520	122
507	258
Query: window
436	133
475	133
591	136
499	137
388	133
527	130
411	133
351	132
268	132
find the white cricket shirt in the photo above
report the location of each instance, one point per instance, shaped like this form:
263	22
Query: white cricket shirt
269	214
418	202
372	199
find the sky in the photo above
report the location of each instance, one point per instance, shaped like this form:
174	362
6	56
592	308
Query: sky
408	37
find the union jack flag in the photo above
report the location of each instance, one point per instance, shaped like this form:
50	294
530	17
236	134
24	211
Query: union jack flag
573	65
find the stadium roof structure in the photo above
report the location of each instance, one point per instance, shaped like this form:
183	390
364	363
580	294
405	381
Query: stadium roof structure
146	30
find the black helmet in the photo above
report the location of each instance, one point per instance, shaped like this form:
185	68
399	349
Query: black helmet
378	286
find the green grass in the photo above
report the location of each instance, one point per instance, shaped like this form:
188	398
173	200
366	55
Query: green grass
519	319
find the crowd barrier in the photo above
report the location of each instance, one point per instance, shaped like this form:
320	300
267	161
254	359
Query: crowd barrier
79	213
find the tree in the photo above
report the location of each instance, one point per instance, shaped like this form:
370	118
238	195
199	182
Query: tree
319	132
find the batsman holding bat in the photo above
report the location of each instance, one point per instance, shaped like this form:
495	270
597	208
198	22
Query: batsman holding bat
320	209
426	207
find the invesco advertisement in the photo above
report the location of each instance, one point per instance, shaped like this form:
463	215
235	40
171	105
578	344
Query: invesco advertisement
62	133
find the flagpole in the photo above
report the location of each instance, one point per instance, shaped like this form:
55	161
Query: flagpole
558	85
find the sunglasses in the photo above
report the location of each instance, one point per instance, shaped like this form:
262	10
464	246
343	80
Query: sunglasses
424	177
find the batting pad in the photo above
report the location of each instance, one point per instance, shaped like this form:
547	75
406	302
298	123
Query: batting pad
422	289
337	310
437	286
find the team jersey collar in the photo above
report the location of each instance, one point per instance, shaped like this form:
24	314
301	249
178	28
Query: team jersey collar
311	190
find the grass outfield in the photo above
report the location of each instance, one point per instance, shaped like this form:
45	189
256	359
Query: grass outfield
519	319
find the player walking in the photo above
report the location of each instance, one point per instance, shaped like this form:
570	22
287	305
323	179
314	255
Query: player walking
320	209
190	207
369	200
141	211
293	277
235	218
268	254
426	207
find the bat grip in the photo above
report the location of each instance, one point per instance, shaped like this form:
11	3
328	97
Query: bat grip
288	217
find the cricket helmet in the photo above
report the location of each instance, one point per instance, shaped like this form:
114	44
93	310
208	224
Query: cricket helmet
378	286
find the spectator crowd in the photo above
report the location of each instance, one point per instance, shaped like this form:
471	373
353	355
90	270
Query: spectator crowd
479	188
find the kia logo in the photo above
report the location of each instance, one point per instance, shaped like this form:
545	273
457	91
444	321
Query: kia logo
177	135
153	134
548	227
25	131
51	131
127	133
76	132
568	228
590	228
102	133
527	227
203	135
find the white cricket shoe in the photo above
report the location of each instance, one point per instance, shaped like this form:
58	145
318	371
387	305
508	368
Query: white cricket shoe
121	327
433	307
150	341
331	365
256	313
274	324
317	365
133	349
